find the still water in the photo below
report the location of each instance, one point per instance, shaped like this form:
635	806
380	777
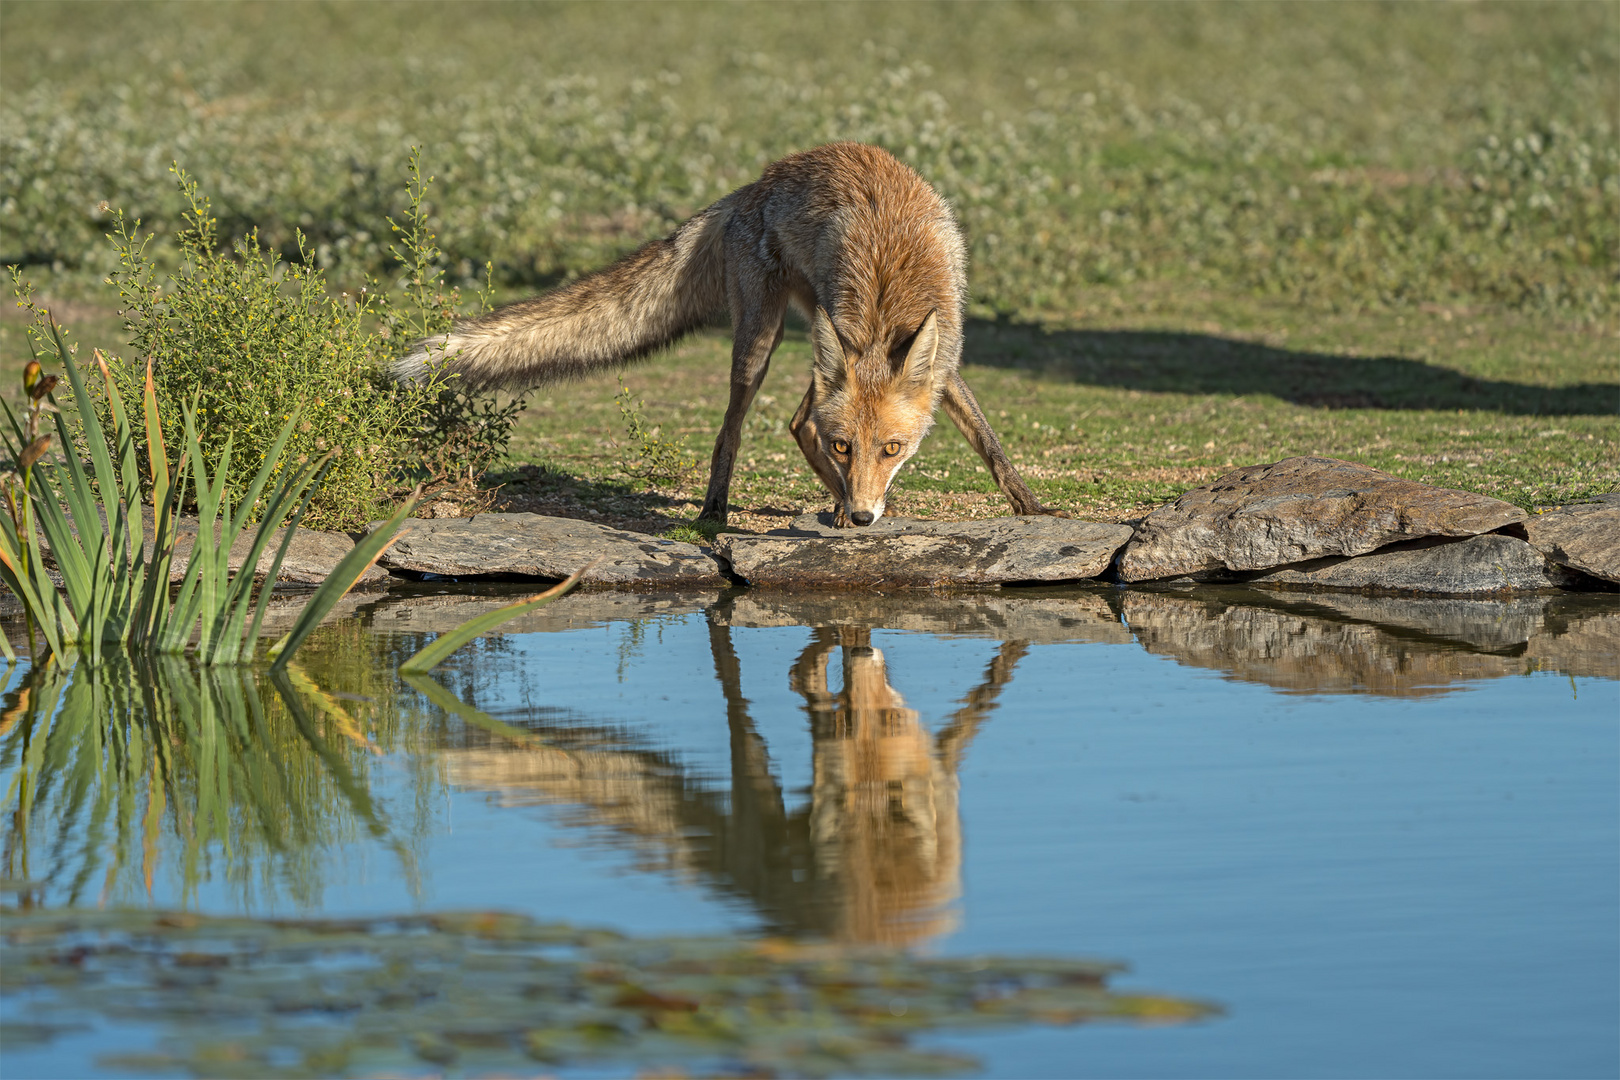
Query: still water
1379	834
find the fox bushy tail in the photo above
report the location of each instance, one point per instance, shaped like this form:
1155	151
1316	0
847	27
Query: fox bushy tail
650	298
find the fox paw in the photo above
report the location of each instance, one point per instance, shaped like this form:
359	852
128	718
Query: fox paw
841	519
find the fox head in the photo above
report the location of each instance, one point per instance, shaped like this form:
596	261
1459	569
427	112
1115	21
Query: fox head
872	409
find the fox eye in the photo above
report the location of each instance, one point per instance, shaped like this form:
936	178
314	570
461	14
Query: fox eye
840	446
891	448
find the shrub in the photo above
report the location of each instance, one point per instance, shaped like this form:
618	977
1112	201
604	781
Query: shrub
459	432
247	342
647	455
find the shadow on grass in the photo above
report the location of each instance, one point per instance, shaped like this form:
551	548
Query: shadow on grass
1186	363
545	489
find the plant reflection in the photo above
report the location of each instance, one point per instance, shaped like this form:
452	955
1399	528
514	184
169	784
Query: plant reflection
148	777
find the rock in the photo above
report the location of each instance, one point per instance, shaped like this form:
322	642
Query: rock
1478	566
547	549
1584	536
1295	510
311	557
907	553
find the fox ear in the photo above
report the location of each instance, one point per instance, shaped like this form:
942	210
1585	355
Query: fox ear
830	367
919	363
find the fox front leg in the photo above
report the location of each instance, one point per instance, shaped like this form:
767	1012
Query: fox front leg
758	333
803	426
964	411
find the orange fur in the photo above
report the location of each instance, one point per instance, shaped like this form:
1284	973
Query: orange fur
850	237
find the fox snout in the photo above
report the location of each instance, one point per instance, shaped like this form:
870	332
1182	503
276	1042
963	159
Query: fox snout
866	468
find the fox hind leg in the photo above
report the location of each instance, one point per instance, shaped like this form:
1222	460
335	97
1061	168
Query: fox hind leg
963	409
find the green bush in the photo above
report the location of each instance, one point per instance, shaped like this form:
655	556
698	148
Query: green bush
459	433
248	341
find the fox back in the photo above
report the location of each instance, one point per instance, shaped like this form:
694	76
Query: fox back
852	238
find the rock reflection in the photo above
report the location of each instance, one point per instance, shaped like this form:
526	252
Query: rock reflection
1337	643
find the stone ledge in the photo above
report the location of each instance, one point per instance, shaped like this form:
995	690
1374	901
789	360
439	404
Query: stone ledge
1479	566
1301	523
907	553
547	549
1582	536
1296	510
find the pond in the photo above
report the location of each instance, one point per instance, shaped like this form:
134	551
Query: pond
1352	836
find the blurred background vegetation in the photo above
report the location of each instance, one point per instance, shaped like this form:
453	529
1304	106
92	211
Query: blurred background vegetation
1345	178
1346	155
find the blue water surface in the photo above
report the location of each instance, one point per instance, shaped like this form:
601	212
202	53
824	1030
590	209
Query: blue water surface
1367	884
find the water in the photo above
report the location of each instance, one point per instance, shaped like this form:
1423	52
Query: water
1380	834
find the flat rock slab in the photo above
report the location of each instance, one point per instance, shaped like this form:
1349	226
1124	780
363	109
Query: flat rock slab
310	558
908	553
549	549
1296	510
1584	536
1479	566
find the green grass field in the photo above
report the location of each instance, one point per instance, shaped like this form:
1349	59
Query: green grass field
1201	234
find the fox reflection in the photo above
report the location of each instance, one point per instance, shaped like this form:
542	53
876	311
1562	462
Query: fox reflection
883	821
875	856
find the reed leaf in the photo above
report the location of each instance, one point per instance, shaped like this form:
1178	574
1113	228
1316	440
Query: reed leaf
438	650
343	577
453	705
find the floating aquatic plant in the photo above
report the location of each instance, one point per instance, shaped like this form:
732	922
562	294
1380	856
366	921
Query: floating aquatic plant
485	993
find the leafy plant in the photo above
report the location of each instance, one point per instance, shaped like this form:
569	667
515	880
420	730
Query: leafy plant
249	344
648	455
113	589
460	432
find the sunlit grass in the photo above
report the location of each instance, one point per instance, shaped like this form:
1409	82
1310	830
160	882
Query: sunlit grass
1292	193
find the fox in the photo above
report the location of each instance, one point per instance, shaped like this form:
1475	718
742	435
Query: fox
856	242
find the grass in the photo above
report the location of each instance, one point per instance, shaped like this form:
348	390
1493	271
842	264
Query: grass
1200	234
1112	412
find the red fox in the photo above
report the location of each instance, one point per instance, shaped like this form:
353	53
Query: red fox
857	242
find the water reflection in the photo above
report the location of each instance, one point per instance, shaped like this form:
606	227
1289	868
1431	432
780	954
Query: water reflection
881	834
873	856
144	782
1345	643
1291	641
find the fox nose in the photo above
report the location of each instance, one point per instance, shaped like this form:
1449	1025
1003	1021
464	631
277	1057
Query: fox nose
861	517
